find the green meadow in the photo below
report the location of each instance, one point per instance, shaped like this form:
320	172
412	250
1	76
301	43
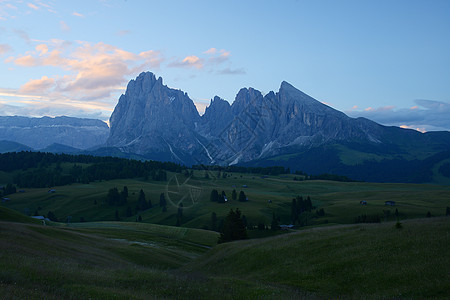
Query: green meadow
118	260
89	254
267	195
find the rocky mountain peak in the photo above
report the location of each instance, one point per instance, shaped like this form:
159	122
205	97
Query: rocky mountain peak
161	123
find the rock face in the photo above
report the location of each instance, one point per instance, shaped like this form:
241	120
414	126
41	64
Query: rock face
39	133
151	118
162	123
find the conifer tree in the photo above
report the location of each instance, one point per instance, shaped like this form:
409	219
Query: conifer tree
233	228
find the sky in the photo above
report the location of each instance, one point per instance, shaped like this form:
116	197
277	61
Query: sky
387	60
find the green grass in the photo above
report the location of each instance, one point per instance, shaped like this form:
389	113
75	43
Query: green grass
111	260
340	200
14	216
356	261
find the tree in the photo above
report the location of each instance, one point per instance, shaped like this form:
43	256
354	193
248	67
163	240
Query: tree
117	215
129	212
124	195
163	202
447	211
275	225
242	197
214	197
244	221
113	196
179	214
222	197
52	216
234	195
233	228
142	203
9	189
294	211
150	205
213	221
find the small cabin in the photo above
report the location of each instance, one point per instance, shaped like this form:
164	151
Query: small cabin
41	218
390	203
286	227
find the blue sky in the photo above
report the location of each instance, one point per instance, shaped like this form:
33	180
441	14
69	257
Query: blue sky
385	60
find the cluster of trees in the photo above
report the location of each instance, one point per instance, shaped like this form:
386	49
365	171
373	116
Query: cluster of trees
367	219
215	196
233	227
325	176
7	190
299	208
276	170
44	169
114	197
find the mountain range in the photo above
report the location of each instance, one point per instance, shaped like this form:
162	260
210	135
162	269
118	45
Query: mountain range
40	133
285	128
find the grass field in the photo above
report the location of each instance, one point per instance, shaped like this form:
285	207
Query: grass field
346	261
119	260
340	200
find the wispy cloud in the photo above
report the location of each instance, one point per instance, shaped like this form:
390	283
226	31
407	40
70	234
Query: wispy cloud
229	71
77	14
88	74
23	35
190	61
123	32
217	56
426	115
31	5
63	25
4	48
38	85
15	102
210	60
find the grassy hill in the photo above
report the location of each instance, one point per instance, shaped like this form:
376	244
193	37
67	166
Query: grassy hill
266	194
116	260
357	261
9	215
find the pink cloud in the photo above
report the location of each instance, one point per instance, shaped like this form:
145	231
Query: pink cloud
76	14
211	51
38	85
31	5
190	61
26	61
217	56
423	130
95	70
42	49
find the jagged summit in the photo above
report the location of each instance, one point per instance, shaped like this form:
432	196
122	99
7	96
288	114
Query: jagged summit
158	122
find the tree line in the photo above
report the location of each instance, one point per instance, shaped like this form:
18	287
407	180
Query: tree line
39	169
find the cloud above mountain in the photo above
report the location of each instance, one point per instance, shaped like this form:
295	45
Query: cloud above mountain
426	115
92	73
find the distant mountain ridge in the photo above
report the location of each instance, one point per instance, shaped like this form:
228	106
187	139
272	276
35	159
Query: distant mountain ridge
282	128
286	128
39	133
